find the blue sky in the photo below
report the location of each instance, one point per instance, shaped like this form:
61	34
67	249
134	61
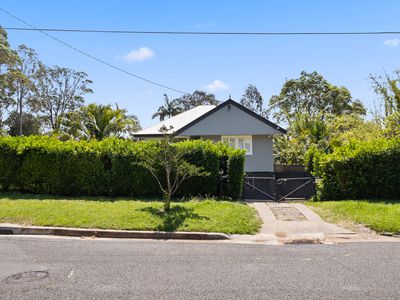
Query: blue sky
226	63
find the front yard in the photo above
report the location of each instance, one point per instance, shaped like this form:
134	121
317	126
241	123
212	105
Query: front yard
380	216
129	214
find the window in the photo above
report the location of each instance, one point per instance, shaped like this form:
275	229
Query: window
243	142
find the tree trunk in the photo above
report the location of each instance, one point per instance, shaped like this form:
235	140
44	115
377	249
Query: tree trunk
167	202
20	118
167	197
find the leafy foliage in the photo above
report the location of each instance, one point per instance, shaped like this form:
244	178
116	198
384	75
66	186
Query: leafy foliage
100	121
30	124
109	167
59	91
184	103
8	60
175	169
168	110
189	101
312	94
253	100
362	170
392	125
25	86
305	131
388	88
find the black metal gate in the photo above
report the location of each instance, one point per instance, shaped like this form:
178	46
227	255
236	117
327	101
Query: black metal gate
261	188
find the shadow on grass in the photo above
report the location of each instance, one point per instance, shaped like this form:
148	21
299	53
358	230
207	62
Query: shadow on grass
174	218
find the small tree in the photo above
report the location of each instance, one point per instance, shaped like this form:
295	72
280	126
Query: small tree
169	166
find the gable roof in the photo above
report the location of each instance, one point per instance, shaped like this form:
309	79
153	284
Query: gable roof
241	107
188	118
177	122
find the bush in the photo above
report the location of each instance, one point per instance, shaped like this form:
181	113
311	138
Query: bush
360	171
109	167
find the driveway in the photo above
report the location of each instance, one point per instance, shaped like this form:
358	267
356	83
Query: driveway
293	218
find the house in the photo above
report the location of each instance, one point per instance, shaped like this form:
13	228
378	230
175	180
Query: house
229	122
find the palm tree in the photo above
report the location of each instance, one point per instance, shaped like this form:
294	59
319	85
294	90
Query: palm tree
310	130
101	121
169	109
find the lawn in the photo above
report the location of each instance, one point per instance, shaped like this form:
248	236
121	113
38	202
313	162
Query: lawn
380	216
130	214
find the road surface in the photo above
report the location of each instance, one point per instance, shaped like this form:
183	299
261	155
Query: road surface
143	269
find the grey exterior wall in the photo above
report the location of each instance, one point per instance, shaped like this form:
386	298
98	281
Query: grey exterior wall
229	120
262	159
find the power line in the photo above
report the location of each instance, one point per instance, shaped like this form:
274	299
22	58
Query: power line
33	28
201	32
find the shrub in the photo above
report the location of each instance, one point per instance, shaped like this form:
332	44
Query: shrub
361	171
109	167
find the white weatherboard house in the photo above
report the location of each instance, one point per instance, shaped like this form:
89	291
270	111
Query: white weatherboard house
229	122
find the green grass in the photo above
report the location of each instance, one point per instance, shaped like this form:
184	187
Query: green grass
129	214
380	216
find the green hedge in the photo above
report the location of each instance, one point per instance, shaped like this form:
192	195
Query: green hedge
109	167
369	170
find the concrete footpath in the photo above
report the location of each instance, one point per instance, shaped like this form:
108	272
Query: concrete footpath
290	222
293	218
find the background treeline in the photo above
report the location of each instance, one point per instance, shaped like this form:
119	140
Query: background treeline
111	167
37	99
356	155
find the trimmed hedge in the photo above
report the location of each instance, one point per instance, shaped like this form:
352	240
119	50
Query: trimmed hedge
48	166
369	170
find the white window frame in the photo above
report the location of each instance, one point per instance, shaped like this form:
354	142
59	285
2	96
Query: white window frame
246	139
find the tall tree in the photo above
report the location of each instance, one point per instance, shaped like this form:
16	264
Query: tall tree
28	66
59	91
8	59
253	100
312	94
97	121
189	101
168	110
30	124
388	88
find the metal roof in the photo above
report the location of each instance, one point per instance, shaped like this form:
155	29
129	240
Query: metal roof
177	122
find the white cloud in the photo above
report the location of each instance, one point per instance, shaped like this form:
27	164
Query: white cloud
392	43
217	85
138	55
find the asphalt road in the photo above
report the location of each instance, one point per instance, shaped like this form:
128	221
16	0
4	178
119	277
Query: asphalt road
132	269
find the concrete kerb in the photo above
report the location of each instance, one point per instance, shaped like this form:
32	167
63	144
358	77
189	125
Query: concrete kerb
102	233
